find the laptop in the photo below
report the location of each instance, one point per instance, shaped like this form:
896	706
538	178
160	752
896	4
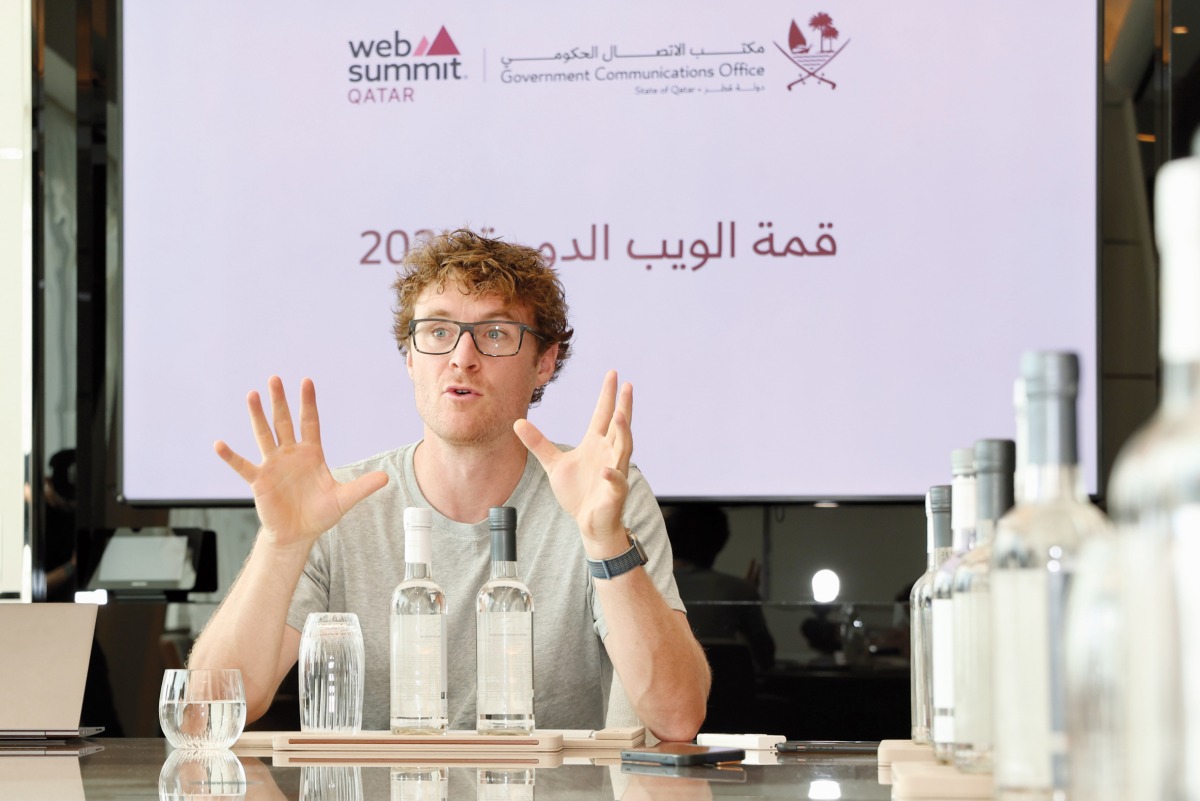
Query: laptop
44	655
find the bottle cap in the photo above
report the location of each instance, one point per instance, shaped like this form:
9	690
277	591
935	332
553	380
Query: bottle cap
1051	389
939	499
418	539
502	520
995	456
418	517
939	517
1050	373
962	462
995	461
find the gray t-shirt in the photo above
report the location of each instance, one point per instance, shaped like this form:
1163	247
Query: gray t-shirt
355	566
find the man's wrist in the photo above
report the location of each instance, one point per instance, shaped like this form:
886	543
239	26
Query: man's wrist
630	557
606	546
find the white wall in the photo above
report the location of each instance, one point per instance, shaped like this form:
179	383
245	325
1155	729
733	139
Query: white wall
15	259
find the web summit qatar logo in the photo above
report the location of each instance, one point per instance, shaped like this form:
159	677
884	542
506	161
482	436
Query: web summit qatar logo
811	59
387	70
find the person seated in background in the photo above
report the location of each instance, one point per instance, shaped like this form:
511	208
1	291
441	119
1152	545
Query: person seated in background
698	532
482	325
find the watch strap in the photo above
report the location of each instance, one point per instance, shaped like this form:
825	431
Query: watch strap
621	563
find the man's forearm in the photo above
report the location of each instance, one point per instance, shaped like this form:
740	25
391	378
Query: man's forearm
661	665
247	630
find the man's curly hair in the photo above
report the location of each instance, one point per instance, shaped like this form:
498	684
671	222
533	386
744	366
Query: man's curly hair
517	274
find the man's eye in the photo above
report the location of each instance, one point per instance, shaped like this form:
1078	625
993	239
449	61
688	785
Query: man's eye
496	334
441	332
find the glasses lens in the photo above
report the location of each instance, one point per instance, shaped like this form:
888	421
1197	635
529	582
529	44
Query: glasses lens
435	336
498	339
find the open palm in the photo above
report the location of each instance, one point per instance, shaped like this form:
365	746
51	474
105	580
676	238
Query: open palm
296	496
591	480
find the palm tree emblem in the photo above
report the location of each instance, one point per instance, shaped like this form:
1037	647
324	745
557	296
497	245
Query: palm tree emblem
822	23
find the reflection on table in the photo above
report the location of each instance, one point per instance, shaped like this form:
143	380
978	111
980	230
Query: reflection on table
145	769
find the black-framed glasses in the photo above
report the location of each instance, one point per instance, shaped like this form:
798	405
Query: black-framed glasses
434	336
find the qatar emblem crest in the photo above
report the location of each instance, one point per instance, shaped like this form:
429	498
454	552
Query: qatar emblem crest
811	59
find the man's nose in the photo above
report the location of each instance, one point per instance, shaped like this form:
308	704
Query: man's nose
465	355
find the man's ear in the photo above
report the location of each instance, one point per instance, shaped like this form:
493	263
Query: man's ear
408	361
545	367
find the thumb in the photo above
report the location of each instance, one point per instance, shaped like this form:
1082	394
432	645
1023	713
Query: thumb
350	493
536	442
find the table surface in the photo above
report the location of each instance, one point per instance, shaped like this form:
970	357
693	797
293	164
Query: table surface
137	768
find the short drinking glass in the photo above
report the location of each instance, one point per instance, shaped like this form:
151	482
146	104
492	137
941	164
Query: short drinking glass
331	673
202	708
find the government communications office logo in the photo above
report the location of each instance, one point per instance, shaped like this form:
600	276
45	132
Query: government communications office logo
811	59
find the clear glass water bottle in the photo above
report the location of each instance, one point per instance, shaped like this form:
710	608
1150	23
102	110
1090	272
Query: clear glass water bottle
937	525
1034	558
995	461
504	628
962	539
1148	689
418	699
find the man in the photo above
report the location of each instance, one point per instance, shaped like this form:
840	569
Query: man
320	548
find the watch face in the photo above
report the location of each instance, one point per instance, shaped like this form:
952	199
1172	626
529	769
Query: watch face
633	540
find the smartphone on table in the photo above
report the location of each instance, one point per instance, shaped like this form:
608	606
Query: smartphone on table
683	754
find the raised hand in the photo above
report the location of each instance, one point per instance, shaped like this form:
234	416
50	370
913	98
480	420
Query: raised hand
590	481
296	496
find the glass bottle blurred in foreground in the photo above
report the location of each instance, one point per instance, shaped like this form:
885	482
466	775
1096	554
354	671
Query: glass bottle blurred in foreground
1034	557
1142	697
995	461
962	539
937	516
418	699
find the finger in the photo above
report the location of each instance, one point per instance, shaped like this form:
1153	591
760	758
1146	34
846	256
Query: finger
617	482
605	404
625	402
622	441
280	413
247	470
259	425
310	423
350	493
542	448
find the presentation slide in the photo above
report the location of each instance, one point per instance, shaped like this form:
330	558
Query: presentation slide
816	236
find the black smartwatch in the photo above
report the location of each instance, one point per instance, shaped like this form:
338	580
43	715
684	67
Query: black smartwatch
622	563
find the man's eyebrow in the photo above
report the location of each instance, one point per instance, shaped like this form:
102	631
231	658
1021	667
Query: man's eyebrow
505	313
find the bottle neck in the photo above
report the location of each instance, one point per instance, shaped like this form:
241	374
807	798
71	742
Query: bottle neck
417	570
1051	482
504	570
962	513
1181	386
994	497
1052	431
1052	470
